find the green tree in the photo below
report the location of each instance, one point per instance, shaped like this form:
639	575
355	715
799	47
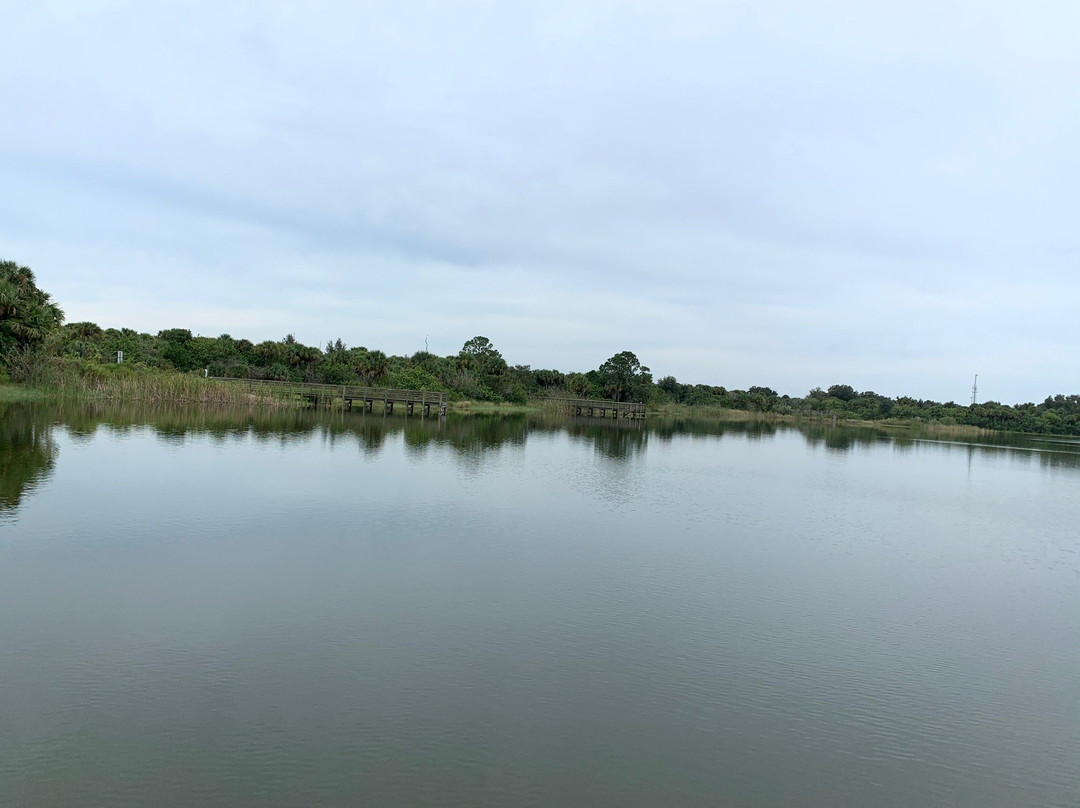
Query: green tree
84	331
376	366
844	392
579	385
624	378
549	378
670	385
482	370
177	348
27	314
479	356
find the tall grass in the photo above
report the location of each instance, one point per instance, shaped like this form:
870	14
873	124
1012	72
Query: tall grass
10	393
492	407
79	380
715	413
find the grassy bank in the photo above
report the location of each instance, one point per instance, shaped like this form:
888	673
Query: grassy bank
494	407
714	413
745	416
10	393
76	380
84	381
157	388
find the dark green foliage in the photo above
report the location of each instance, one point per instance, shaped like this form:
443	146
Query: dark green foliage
624	378
33	344
581	385
414	378
27	314
1057	415
177	348
479	357
844	392
479	372
548	379
482	372
84	331
479	347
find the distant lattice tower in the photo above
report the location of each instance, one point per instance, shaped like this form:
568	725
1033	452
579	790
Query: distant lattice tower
975	391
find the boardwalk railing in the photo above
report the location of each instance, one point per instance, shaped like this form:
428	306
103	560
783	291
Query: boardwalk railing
601	408
348	394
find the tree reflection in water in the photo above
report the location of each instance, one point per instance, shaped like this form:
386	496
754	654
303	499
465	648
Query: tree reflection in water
29	449
28	454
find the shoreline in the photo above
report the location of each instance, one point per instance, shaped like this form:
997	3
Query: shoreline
11	393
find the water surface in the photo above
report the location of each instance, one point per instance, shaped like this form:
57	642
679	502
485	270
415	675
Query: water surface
232	608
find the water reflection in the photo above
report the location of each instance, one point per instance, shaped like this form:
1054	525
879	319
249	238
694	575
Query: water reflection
1049	452
620	441
677	612
28	454
28	449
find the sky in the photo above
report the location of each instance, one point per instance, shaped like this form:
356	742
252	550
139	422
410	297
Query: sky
787	194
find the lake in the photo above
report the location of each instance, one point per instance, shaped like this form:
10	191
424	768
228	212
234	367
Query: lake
298	608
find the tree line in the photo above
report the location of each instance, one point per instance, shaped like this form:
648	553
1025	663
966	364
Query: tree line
31	328
1058	414
478	371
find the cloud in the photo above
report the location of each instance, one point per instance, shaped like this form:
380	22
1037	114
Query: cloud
741	193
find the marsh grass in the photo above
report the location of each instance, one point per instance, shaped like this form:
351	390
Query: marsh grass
493	407
723	414
78	380
10	394
935	428
713	413
39	377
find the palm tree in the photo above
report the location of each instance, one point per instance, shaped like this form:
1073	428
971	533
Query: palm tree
27	314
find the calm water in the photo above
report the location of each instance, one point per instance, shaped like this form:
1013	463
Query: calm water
215	609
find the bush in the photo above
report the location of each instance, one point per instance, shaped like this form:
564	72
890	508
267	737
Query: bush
414	378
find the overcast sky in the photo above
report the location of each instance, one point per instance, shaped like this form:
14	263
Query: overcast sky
787	194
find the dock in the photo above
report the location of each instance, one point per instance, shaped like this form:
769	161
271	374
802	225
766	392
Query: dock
371	399
598	408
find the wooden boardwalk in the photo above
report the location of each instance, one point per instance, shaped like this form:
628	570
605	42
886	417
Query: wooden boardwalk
602	409
384	398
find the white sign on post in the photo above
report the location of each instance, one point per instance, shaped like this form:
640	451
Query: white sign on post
119	357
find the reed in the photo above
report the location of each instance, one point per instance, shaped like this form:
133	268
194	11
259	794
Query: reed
84	381
10	393
936	429
711	413
492	407
716	413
